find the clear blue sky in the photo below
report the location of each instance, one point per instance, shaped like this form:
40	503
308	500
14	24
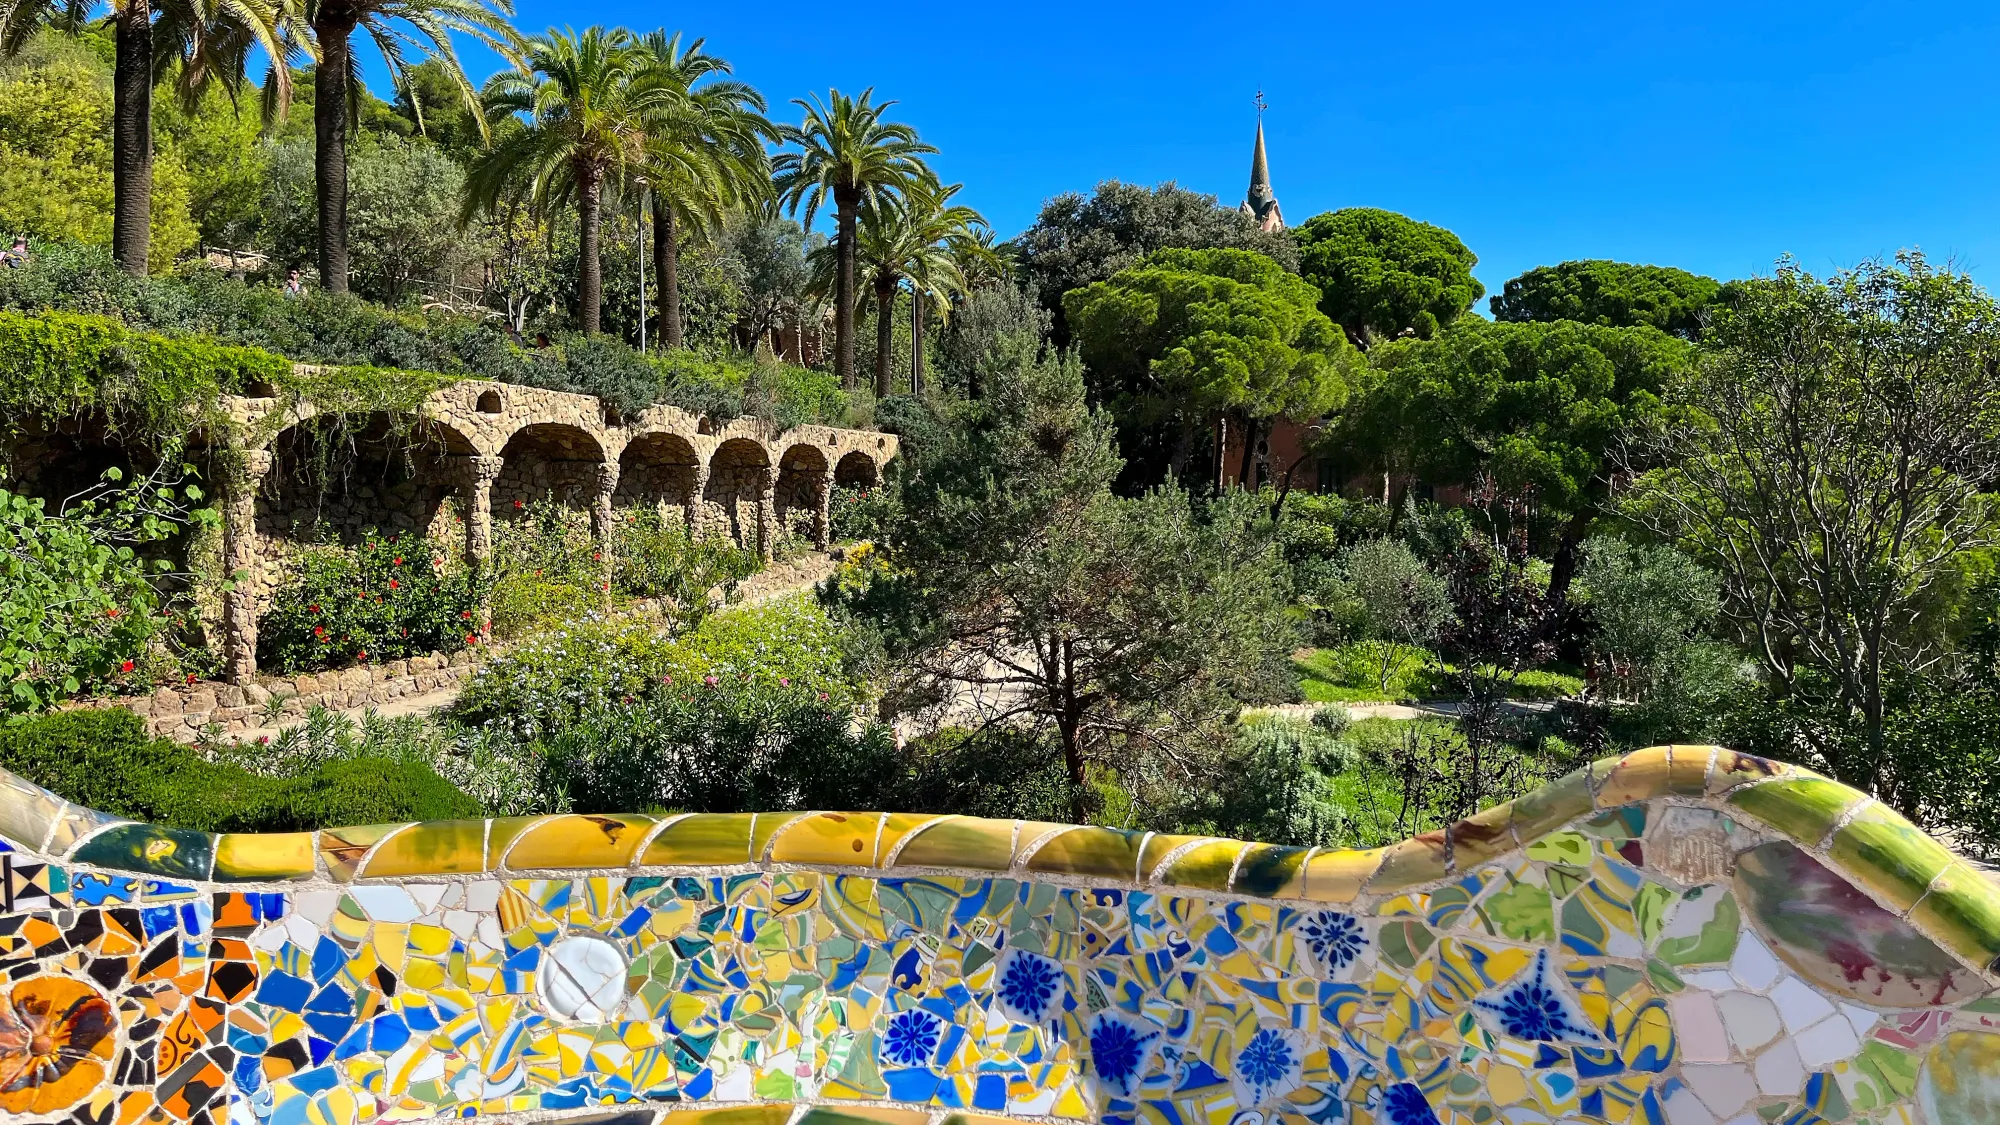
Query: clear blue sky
1710	136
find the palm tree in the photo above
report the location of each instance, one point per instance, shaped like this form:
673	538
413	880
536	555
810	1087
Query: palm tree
968	261
396	27
852	155
210	40
583	135
919	238
704	155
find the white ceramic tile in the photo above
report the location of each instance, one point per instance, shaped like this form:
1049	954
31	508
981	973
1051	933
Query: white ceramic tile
1753	966
386	904
1752	1020
1724	1089
1780	1073
1800	1005
1684	1109
1699	1028
1827	1042
318	906
483	895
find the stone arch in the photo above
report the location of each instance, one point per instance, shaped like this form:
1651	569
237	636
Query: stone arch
739	479
555	460
857	470
658	470
333	478
799	498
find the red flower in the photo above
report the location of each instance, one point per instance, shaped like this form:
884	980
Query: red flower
319	630
472	638
398	562
784	681
362	656
190	677
467	615
709	680
263	740
395	585
517	505
538	572
112	612
666	679
313	608
125	667
822	697
595	555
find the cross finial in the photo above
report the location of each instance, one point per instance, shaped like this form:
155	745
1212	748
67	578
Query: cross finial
1262	105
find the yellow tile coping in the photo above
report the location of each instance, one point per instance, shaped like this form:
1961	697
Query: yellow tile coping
1895	862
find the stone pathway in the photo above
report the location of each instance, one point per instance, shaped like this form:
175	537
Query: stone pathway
1422	709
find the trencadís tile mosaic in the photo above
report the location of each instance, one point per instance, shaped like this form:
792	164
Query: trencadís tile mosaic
1684	937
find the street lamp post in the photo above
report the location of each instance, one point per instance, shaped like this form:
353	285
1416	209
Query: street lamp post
644	200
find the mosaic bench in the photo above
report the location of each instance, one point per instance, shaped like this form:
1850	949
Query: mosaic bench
1685	936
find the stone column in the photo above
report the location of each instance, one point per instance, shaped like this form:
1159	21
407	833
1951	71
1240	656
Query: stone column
480	473
239	559
601	517
696	504
822	508
767	511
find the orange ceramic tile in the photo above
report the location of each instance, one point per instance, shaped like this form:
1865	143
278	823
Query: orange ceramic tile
577	841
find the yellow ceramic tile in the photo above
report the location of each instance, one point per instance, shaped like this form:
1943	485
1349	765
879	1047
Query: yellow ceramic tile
1271	871
829	838
1482	837
578	841
704	838
1551	807
1338	876
343	848
968	842
1638	776
1206	866
1410	864
440	847
256	857
1156	849
895	827
767	825
1092	853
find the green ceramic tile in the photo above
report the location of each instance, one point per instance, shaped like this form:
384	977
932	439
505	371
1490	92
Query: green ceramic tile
1551	807
1091	853
1410	864
575	842
895	827
1804	808
968	842
1962	913
438	847
247	857
1270	871
173	852
1205	865
1891	857
704	838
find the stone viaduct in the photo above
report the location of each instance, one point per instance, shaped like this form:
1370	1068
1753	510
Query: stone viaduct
474	452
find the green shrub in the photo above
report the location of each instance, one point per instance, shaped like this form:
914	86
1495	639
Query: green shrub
995	771
78	603
521	603
382	599
659	557
104	759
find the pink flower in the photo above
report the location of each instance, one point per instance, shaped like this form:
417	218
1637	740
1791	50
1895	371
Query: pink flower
784	681
666	679
263	740
822	697
709	680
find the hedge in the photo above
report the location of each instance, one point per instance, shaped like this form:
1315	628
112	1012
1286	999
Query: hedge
105	760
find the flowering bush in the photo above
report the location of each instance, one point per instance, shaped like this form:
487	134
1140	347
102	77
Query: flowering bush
382	599
78	602
548	541
860	513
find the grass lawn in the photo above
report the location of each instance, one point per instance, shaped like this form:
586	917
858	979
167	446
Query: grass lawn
1352	673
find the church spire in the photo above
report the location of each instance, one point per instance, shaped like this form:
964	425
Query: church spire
1261	204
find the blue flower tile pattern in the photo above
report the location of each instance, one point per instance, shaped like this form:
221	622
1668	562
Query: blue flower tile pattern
1334	940
1123	1051
1027	986
911	1038
1534	1007
1270	1065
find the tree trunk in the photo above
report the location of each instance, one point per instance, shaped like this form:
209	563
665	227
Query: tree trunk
667	271
885	332
1183	449
132	138
1246	473
916	340
330	97
1563	564
845	202
590	220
